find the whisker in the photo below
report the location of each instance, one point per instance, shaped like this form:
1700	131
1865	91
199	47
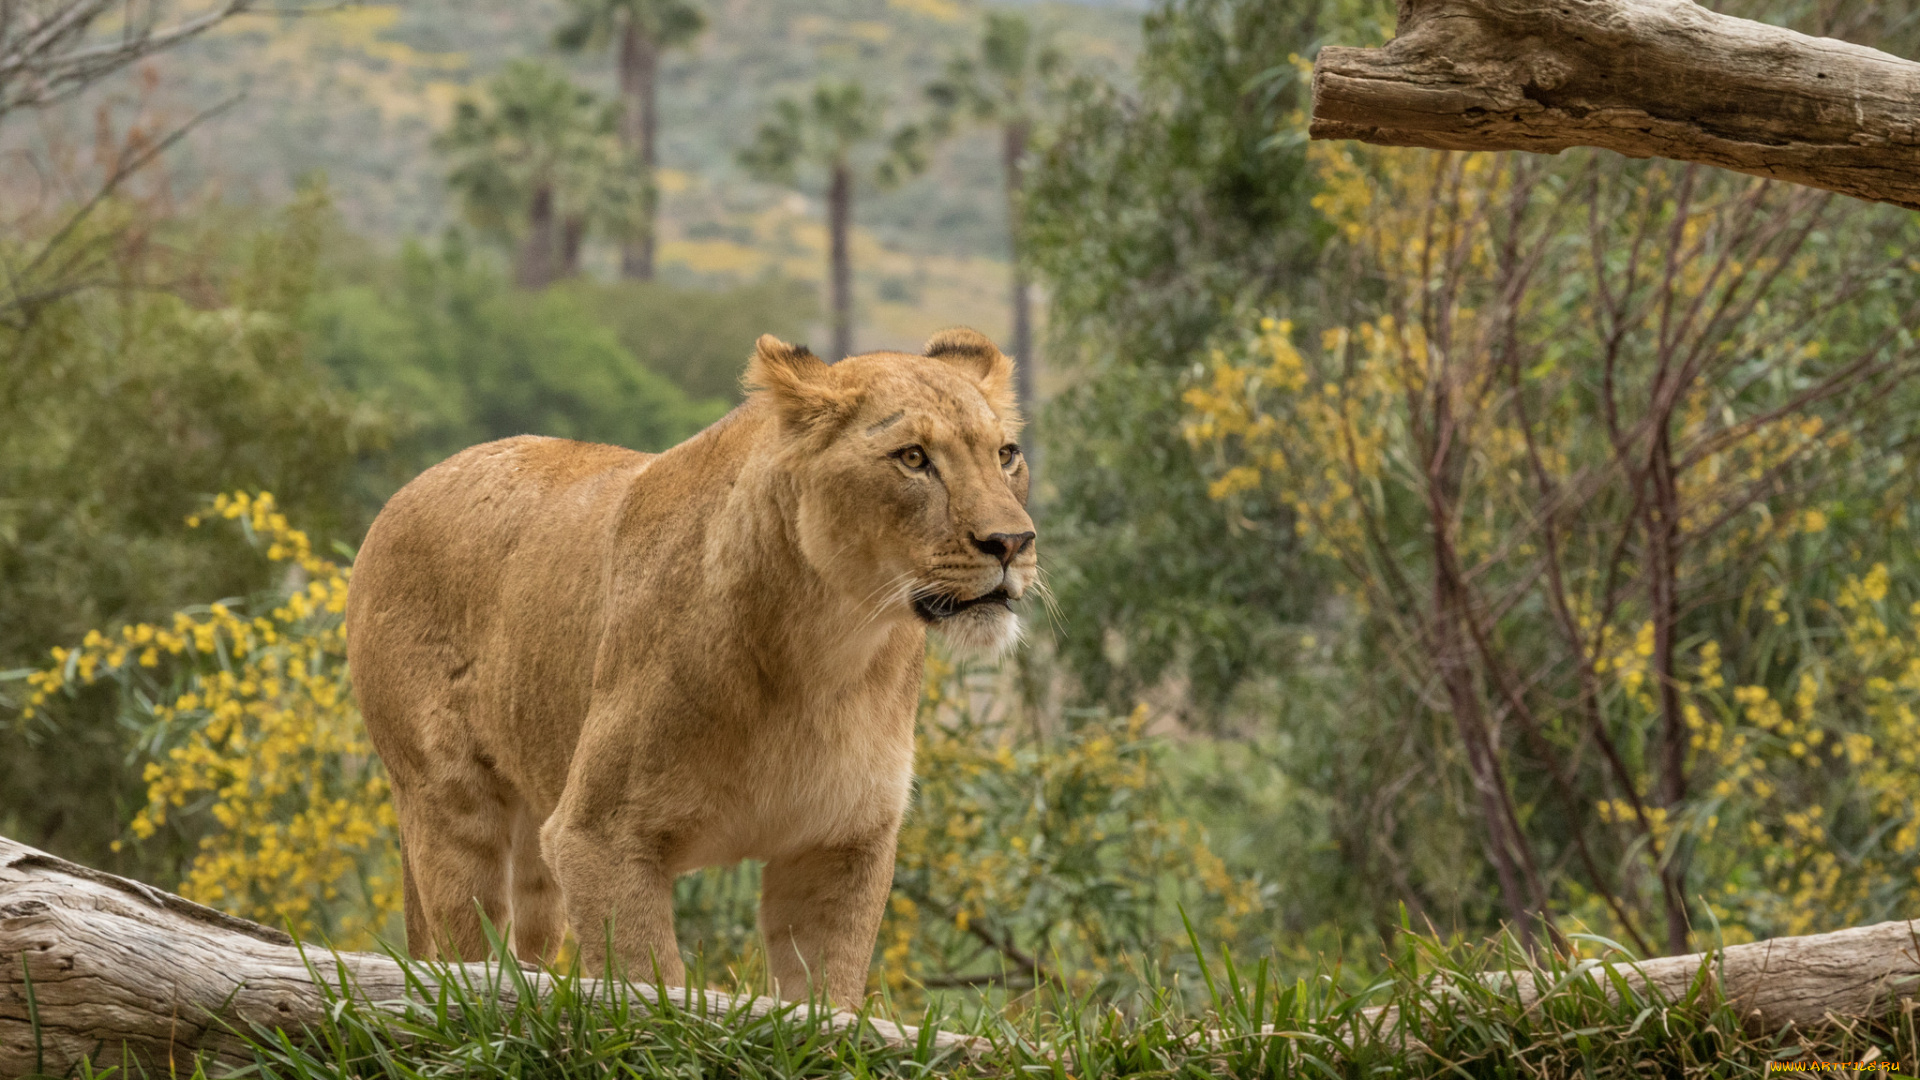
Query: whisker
1056	619
885	587
890	589
876	600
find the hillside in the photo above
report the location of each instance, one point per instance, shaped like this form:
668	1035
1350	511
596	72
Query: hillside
357	95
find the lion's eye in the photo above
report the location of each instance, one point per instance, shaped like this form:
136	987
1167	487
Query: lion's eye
1008	455
912	457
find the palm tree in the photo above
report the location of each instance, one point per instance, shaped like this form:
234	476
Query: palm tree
1010	83
836	131
642	30
535	164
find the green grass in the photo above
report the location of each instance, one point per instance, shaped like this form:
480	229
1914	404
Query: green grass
1243	1021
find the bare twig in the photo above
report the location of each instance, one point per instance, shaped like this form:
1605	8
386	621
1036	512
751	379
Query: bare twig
52	49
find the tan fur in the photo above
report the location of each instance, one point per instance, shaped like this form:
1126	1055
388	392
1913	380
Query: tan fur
589	670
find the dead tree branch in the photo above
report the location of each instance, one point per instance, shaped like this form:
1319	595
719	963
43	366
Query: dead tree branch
50	49
1646	78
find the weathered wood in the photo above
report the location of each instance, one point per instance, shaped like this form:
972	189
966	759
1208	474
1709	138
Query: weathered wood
113	962
1782	983
1646	78
1800	982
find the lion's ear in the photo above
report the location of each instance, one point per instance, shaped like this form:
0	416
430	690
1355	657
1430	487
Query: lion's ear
801	384
971	352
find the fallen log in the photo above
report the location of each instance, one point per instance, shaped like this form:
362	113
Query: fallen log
1790	982
90	962
1775	986
1646	78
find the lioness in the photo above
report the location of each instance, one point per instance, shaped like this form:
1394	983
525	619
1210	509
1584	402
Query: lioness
589	670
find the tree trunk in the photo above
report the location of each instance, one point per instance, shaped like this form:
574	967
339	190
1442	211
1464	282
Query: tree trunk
1646	78
639	124
95	962
1449	644
1663	587
839	220
1013	152
535	270
1506	844
573	236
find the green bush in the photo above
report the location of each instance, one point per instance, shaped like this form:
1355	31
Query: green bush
441	339
699	338
126	398
1160	209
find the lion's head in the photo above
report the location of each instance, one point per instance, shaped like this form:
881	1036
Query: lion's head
910	488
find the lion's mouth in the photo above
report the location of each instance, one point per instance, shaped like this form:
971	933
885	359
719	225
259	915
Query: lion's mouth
936	608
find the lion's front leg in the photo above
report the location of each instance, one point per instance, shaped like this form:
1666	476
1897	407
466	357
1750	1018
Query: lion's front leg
820	911
617	889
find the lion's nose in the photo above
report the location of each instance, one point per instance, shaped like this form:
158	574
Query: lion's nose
1004	546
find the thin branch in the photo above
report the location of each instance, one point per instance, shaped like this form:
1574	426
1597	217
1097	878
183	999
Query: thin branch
47	64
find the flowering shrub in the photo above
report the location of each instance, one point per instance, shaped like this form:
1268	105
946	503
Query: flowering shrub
1618	550
251	736
1029	855
1813	798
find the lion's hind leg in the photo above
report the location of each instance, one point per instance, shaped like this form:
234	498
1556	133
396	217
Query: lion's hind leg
417	934
456	835
539	918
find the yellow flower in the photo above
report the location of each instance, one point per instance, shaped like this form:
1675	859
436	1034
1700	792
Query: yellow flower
281	764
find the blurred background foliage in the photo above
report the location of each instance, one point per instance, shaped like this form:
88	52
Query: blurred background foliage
1504	540
443	342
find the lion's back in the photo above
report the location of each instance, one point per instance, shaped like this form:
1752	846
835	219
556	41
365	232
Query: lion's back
463	521
484	572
